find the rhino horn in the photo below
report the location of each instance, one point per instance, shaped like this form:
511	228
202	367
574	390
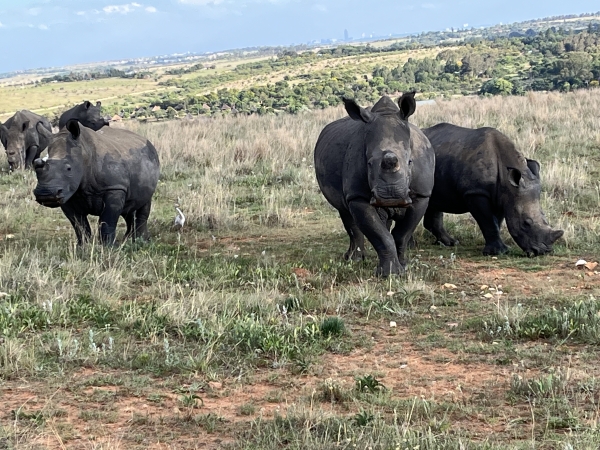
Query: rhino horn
38	163
555	235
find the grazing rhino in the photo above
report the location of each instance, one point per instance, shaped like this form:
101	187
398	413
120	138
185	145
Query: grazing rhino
109	173
480	171
21	140
86	114
374	167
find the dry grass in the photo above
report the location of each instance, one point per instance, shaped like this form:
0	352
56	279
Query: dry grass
162	342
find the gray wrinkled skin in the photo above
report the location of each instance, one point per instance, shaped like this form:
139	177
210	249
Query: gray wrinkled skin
86	114
108	173
481	172
375	168
21	140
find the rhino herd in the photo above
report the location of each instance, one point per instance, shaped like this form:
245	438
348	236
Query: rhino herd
382	173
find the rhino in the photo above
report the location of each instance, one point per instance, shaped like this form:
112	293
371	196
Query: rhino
86	114
480	171
108	173
377	169
21	140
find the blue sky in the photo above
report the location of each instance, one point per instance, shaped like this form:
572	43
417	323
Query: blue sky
44	33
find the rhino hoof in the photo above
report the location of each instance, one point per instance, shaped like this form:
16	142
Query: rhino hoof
447	242
495	249
354	256
390	269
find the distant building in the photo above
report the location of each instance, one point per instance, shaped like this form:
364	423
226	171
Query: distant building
345	35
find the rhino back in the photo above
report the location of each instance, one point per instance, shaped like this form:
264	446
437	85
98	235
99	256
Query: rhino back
468	162
121	160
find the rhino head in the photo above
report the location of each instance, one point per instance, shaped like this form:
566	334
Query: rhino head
525	219
387	148
61	174
86	114
16	139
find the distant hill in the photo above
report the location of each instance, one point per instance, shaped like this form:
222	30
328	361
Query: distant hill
551	53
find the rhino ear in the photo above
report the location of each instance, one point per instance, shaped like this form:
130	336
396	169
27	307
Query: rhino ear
3	135
73	127
534	166
98	104
407	105
87	104
514	176
356	112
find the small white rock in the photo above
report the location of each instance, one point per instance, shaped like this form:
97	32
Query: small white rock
392	324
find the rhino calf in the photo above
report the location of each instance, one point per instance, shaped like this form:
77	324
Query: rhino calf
86	114
481	172
374	167
109	173
21	140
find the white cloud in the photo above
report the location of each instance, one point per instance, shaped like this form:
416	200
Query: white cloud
121	9
200	2
80	13
43	27
34	11
1	25
320	8
151	9
428	6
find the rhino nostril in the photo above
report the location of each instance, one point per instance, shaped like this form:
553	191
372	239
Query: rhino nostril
59	192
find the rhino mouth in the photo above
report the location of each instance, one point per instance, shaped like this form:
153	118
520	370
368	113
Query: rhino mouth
390	202
49	198
50	202
389	197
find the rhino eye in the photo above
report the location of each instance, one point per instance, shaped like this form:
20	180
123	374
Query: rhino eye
409	162
68	168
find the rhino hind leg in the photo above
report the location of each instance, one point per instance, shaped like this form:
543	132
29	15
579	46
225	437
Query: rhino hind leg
141	222
481	209
356	250
130	221
434	223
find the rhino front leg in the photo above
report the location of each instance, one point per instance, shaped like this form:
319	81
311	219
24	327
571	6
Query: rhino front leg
113	206
370	224
434	223
357	238
481	209
405	226
31	154
79	222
